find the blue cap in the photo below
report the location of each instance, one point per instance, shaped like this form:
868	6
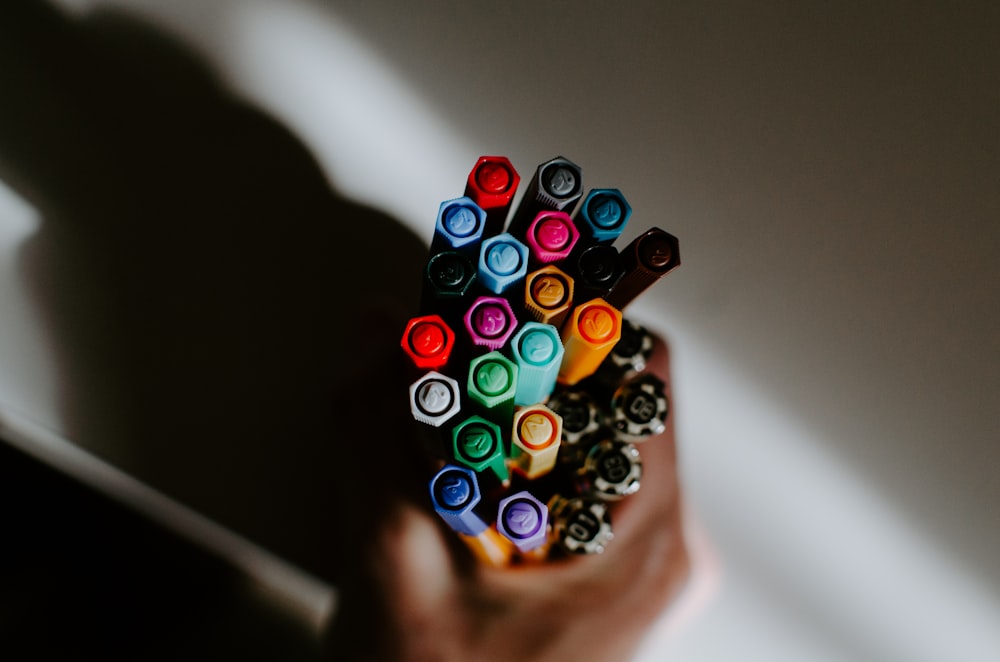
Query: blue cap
460	224
503	262
455	492
603	214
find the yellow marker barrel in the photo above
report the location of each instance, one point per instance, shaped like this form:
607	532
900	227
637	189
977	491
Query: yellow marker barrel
589	335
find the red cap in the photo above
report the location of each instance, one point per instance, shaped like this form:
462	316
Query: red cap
428	341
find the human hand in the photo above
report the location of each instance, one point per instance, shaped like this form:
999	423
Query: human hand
416	594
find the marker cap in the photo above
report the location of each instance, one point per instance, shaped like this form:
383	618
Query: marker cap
551	236
455	494
610	471
639	408
581	416
580	526
538	352
603	215
491	385
434	398
448	277
535	440
428	341
523	520
588	336
548	295
492	184
503	263
557	185
490	322
478	444
597	270
460	225
630	354
649	257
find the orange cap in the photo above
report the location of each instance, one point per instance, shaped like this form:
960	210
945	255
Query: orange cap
589	335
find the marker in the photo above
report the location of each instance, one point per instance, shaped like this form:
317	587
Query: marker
556	185
581	416
490	547
602	216
491	385
503	263
434	398
492	184
523	520
630	354
588	336
428	341
455	494
650	256
490	322
551	236
448	279
535	440
459	227
548	295
596	271
639	408
580	526
538	352
478	444
610	471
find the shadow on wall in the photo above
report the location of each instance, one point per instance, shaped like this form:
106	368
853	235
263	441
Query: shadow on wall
209	298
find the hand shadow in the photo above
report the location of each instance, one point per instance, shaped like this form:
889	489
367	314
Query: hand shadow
218	313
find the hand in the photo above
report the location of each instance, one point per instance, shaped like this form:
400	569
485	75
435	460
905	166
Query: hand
418	596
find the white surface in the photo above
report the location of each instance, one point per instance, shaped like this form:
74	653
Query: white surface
833	178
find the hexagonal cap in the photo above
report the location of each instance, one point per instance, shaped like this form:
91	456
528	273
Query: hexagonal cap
434	398
428	341
604	214
460	222
523	519
492	182
490	322
503	261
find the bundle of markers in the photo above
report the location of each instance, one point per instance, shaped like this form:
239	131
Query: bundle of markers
530	381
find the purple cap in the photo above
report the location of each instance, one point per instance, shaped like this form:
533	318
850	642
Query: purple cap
523	519
490	322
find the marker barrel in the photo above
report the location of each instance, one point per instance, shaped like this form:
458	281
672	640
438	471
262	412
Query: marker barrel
588	337
455	495
537	432
491	386
478	444
649	257
538	352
